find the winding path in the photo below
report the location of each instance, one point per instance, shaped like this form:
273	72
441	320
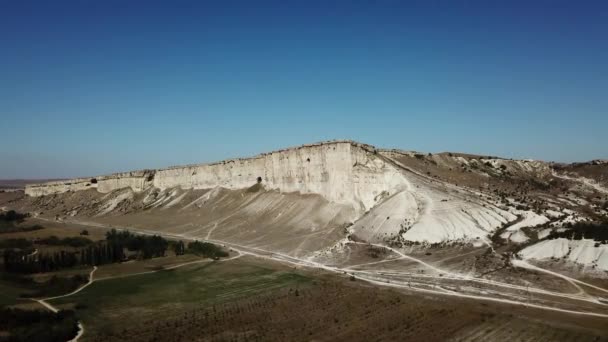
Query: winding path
44	302
457	276
525	264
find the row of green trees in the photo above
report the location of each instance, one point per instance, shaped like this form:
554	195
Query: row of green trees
103	253
21	243
148	246
179	248
110	251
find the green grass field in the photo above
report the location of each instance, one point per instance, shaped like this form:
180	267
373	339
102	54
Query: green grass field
113	304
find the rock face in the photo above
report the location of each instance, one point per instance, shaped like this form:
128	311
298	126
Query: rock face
378	196
339	188
344	172
136	180
310	200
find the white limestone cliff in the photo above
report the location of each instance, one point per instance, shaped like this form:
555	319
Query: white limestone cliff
341	171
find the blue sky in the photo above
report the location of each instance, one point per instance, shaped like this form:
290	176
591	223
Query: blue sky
92	87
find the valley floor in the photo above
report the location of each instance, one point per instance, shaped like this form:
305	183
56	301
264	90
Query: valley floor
275	288
249	299
372	292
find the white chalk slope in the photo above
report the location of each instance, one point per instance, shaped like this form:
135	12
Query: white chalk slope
431	211
585	252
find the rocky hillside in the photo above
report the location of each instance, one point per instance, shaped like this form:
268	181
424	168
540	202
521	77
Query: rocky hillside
307	199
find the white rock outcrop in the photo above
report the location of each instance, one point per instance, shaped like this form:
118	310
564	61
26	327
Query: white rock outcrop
585	252
344	172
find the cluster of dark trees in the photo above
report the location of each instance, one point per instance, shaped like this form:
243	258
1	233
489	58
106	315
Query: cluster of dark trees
584	230
147	246
12	216
37	325
24	244
207	250
21	262
110	251
9	222
179	248
102	253
204	249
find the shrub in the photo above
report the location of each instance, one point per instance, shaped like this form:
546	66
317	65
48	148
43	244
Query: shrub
12	216
206	249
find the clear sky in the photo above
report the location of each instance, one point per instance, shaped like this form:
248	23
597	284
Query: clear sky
92	87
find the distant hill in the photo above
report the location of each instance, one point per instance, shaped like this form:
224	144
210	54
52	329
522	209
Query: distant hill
8	184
